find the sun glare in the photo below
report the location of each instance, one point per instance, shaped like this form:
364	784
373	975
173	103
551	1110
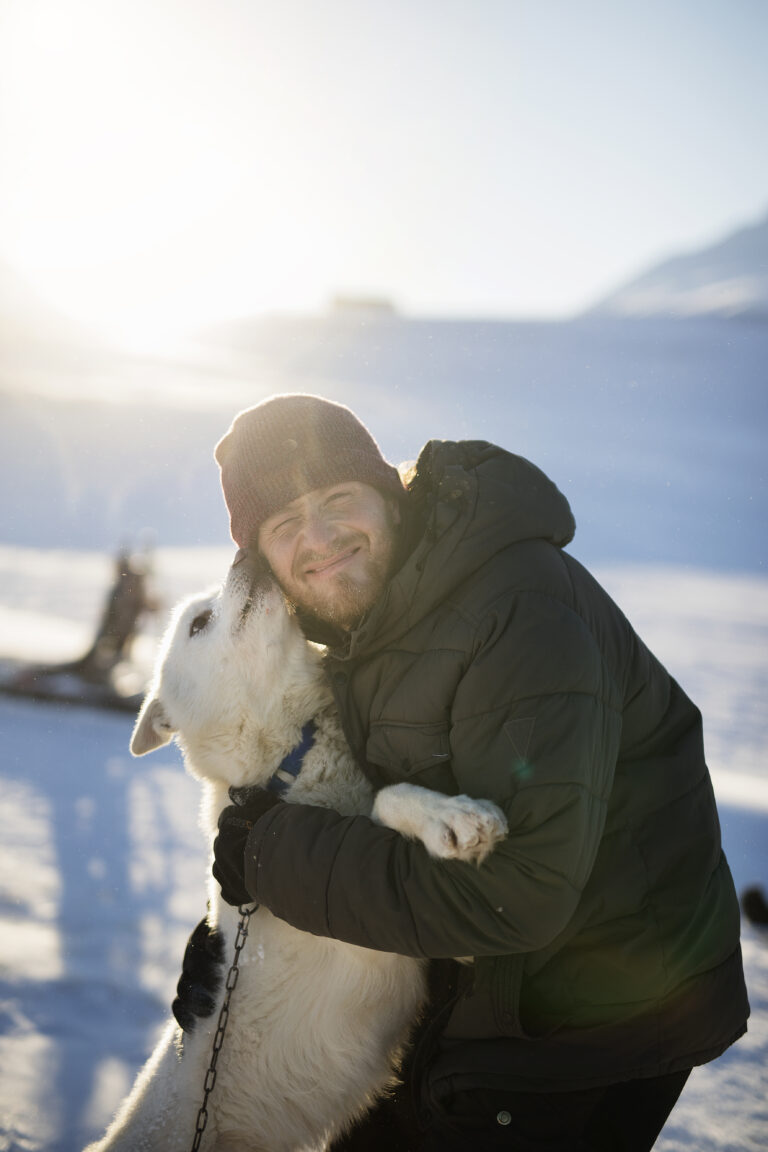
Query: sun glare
128	212
167	163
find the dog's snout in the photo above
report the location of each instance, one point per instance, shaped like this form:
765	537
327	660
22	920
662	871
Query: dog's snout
249	564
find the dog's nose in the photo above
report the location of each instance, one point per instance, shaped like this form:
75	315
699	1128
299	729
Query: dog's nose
240	555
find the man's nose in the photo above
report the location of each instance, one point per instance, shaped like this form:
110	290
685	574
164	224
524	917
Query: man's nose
317	532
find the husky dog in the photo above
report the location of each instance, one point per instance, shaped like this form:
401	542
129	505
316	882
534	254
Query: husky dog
316	1026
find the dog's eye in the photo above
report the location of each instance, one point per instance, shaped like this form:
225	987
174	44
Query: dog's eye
199	622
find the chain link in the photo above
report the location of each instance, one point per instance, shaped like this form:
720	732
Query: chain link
245	911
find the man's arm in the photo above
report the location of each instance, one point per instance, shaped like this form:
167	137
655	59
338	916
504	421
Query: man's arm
540	741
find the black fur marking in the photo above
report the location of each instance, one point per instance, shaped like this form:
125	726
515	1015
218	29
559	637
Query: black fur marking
201	976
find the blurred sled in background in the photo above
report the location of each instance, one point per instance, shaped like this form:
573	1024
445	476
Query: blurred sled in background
105	675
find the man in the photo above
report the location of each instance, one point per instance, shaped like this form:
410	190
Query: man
468	652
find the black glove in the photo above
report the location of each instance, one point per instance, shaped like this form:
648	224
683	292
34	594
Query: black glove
201	976
235	823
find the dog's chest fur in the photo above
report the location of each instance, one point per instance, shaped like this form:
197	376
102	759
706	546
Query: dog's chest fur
326	1007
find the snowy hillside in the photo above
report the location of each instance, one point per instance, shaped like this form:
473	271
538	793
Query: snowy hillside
655	430
729	278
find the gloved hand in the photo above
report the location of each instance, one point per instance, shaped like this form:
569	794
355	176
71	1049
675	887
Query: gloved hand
235	823
201	976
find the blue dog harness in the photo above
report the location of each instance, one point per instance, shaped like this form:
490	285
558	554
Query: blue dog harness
287	771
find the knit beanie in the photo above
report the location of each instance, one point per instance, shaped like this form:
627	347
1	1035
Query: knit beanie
287	446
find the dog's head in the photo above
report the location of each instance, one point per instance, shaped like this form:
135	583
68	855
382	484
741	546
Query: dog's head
219	671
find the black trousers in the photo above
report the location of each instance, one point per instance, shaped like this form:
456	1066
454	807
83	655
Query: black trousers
625	1117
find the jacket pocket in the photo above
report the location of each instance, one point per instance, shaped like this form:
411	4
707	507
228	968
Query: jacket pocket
491	1009
506	985
404	750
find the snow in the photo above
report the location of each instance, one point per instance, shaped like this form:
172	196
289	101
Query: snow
102	864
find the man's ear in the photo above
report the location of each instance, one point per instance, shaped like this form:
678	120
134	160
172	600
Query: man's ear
153	728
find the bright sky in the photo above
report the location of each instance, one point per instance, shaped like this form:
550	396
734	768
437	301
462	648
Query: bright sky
171	161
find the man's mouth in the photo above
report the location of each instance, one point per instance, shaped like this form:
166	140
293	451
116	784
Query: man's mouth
331	564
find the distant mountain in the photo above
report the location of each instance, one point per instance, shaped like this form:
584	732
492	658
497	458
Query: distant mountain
729	278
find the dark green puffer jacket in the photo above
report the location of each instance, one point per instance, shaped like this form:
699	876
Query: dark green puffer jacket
605	927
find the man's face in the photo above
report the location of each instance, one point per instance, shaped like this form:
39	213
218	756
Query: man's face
331	550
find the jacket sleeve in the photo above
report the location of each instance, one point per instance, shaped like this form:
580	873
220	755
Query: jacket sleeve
535	727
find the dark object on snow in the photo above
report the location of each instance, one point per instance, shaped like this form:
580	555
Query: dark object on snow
91	678
201	976
754	906
127	602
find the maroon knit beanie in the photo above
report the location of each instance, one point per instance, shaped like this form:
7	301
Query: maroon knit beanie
287	446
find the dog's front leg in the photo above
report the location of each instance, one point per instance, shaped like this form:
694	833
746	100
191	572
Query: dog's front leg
160	1111
450	827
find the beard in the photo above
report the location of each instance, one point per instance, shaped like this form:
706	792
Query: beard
346	598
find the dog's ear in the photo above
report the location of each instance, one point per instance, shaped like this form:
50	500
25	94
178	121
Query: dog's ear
153	728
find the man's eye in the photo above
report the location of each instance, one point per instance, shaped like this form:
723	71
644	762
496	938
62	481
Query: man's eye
200	622
338	498
285	526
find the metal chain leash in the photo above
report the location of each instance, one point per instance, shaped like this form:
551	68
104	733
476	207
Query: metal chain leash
245	911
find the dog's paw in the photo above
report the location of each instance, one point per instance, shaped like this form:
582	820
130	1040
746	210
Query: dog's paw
464	829
449	827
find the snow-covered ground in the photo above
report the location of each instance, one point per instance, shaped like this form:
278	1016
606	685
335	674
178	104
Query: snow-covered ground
102	865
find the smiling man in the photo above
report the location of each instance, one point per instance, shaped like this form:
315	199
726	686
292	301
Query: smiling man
332	549
469	652
308	489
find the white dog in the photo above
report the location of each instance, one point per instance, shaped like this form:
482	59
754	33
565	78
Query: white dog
316	1026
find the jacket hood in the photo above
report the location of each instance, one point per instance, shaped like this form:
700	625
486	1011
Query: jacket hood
467	501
